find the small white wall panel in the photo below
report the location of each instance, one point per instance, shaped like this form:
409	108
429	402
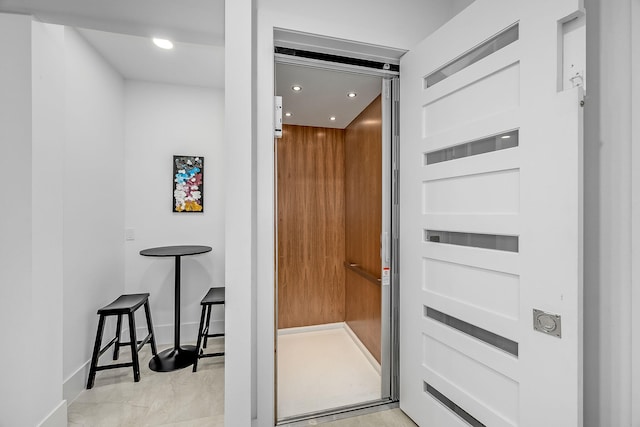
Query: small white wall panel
471	103
493	192
574	48
492	291
465	380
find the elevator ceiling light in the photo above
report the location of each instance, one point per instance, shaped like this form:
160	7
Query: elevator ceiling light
352	95
332	118
296	88
163	43
288	114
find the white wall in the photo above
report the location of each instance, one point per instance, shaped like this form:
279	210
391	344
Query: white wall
400	25
239	132
608	217
62	128
161	121
120	139
635	209
16	243
31	82
47	209
250	214
93	168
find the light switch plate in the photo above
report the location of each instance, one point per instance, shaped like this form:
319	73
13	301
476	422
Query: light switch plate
129	234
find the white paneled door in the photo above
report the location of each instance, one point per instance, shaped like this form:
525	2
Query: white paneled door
491	218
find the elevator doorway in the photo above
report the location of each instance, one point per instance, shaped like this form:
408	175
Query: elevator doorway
334	296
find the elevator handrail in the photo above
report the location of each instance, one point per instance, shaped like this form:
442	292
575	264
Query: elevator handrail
356	269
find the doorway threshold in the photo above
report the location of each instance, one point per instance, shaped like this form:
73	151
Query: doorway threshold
320	417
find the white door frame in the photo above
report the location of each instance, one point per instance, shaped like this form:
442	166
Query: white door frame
635	214
264	393
390	214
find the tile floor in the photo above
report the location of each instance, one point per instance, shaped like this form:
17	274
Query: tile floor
322	369
176	399
180	398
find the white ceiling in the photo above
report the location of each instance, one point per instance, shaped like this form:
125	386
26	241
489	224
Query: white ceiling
121	31
189	21
137	58
323	94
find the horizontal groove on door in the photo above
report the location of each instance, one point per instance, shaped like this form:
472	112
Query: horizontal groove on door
474	55
488	337
452	406
473	148
485	241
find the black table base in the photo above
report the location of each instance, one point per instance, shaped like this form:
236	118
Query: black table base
180	356
173	359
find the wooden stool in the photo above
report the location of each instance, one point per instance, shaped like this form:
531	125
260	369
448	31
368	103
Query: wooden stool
215	296
124	304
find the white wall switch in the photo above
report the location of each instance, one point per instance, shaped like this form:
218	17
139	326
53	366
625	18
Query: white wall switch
129	234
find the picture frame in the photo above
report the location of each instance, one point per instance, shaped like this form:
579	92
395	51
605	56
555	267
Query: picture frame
188	184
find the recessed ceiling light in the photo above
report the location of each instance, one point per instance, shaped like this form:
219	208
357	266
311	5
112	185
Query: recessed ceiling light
332	118
163	43
296	88
352	95
288	114
505	136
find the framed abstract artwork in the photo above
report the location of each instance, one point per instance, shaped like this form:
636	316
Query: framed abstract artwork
188	183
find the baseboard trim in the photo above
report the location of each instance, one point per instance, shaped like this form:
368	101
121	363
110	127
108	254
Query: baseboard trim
75	383
57	417
372	360
312	328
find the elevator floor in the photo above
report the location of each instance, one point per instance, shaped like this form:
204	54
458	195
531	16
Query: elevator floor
320	369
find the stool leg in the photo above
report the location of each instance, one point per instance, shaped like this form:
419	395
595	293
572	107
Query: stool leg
134	347
195	363
96	353
147	313
207	325
116	344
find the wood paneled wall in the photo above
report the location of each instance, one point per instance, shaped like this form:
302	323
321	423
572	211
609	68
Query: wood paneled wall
363	224
311	228
329	184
